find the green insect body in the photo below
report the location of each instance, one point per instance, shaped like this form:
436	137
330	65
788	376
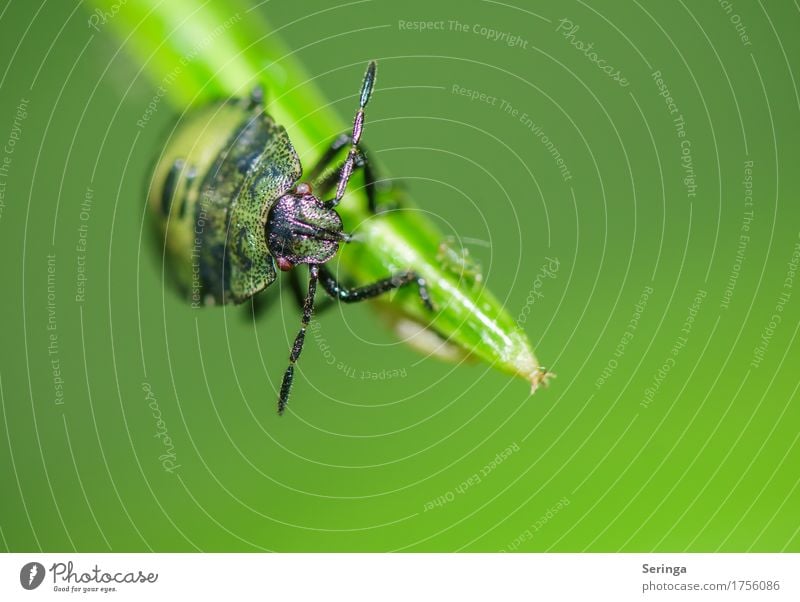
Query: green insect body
221	173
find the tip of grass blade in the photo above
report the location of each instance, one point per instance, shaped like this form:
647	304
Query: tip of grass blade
520	356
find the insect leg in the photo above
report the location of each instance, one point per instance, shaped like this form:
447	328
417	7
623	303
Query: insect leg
261	303
358	127
329	155
257	96
297	347
170	184
361	293
323	182
299	295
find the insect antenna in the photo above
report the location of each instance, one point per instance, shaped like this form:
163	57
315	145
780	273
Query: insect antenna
358	126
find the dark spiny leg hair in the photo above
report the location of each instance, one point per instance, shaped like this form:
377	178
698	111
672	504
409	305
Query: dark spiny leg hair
361	293
297	348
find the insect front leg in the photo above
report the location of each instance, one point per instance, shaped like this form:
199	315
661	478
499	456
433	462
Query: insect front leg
297	347
325	179
362	293
261	303
299	295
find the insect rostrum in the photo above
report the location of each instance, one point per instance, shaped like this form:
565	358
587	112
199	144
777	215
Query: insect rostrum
232	203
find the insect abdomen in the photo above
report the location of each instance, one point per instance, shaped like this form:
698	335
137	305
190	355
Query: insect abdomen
186	228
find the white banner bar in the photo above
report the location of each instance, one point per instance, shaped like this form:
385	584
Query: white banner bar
401	577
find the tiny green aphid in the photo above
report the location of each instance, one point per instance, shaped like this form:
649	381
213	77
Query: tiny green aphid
231	203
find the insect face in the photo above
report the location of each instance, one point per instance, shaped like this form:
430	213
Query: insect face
301	229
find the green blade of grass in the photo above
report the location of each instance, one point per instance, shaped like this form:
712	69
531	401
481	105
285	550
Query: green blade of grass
198	51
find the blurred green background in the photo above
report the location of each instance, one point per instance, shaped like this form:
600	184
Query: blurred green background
671	319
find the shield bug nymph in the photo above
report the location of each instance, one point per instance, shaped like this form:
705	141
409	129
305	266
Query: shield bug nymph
232	204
